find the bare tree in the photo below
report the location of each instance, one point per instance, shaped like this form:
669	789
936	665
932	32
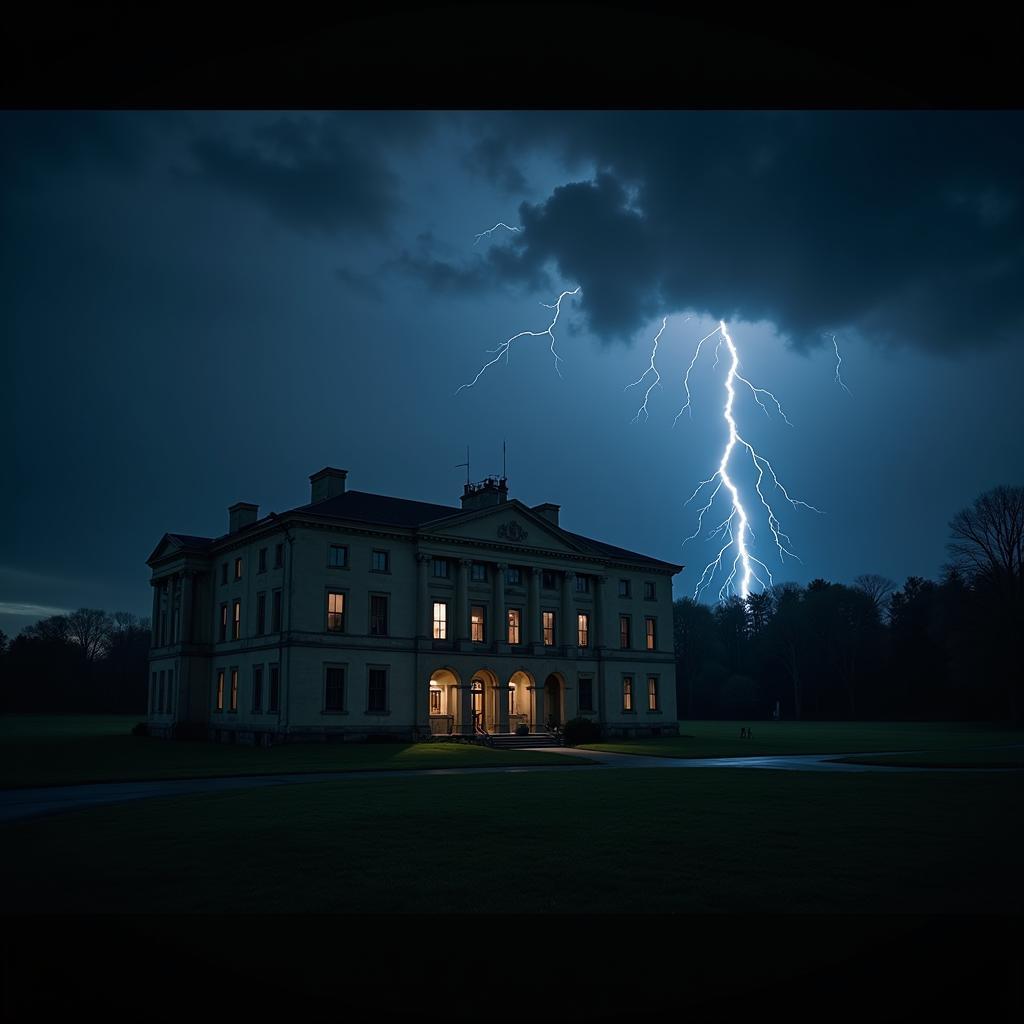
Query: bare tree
878	588
987	542
90	628
53	629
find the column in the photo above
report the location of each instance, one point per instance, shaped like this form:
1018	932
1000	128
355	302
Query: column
424	618
462	600
466	708
156	614
499	627
538	707
187	585
533	610
568	630
502	695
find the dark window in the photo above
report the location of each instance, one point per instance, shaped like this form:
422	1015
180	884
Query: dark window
624	631
257	688
160	697
224	573
652	693
623	588
236	620
513	576
478	572
548	620
261	613
378	615
650	592
278	555
547	580
586	694
220	689
274	692
337	556
514	618
336	612
476	623
652	642
582	584
441	568
627	693
583	628
262	567
334	689
223	621
169	705
275	612
238	568
234	690
377	690
379	562
152	694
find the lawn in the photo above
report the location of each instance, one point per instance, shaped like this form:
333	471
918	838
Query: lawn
947	742
609	841
51	750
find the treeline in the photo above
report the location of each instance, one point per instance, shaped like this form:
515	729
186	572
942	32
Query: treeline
941	650
86	661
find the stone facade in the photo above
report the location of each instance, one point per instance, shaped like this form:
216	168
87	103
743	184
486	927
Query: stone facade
359	614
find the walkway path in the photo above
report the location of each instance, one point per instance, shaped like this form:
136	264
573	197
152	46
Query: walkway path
18	804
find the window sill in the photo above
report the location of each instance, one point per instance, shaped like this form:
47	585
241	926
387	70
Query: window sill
376	714
343	568
327	712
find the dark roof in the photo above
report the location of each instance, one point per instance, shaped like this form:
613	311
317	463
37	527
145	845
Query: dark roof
613	552
191	542
362	507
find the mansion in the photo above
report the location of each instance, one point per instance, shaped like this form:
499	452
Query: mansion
360	614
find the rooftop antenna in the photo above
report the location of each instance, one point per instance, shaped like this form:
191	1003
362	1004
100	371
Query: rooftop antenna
466	464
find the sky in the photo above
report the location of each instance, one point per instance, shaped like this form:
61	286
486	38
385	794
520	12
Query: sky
206	307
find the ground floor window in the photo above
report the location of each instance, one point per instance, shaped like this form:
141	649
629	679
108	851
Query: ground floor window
234	690
586	699
435	702
274	692
334	688
257	688
220	689
652	693
627	693
377	690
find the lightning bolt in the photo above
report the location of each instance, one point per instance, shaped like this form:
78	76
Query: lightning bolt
490	231
839	362
505	346
650	369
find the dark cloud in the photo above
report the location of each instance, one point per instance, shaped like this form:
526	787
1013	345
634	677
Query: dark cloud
905	228
492	159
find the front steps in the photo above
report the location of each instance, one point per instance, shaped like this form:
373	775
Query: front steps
512	742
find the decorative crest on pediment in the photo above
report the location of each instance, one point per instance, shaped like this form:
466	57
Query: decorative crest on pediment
512	531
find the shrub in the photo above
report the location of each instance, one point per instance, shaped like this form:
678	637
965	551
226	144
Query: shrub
580	730
522	730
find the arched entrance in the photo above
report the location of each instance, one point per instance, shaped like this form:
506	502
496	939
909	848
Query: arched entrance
554	698
520	700
483	697
443	702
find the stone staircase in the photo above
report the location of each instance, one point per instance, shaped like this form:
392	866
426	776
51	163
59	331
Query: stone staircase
512	742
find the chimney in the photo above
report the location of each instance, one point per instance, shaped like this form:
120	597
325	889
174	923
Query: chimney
241	514
492	491
328	483
548	511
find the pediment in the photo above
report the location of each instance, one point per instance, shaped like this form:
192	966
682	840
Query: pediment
510	524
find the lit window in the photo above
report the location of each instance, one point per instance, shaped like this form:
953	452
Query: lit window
441	569
651	640
624	631
548	619
223	621
435	702
650	592
335	612
275	612
476	623
514	617
337	556
478	572
582	584
652	693
261	613
379	562
274	691
511	700
334	688
238	568
257	688
262	566
234	690
583	628
278	555
514	576
377	690
627	693
378	615
236	620
220	689
547	580
440	620
586	694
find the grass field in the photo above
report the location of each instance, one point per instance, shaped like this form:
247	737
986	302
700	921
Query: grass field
614	840
944	743
50	750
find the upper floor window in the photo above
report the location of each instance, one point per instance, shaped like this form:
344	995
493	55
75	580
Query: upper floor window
547	580
623	588
440	568
478	572
278	555
652	693
582	584
627	693
624	631
548	621
335	612
275	612
379	561
236	620
337	556
334	688
223	573
476	623
440	620
238	568
583	628
652	642
650	590
377	690
378	615
220	689
262	563
261	613
223	621
513	576
514	617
